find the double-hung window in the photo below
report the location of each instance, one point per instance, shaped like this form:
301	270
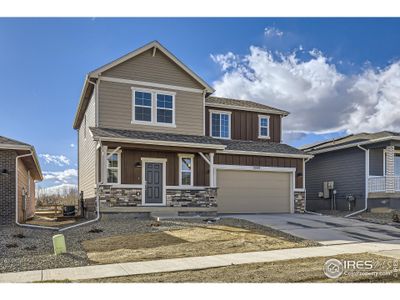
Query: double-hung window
143	106
165	108
263	127
113	167
220	124
153	107
186	170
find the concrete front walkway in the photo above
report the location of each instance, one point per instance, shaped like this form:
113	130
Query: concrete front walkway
194	263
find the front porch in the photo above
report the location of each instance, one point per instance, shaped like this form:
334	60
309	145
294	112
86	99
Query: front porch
143	178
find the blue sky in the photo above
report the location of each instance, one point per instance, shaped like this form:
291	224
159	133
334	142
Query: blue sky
44	61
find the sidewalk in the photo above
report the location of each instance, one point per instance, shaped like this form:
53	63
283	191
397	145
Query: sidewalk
193	263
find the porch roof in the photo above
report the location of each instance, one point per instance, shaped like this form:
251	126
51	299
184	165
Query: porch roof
145	137
170	139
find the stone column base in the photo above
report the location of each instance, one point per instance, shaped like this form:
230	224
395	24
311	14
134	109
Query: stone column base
299	201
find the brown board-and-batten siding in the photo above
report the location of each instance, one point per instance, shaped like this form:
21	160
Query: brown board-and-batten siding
244	125
131	173
263	161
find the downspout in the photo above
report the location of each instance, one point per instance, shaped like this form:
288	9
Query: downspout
97	196
366	182
305	192
16	197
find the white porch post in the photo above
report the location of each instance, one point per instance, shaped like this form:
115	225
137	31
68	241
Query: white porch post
212	180
103	164
389	163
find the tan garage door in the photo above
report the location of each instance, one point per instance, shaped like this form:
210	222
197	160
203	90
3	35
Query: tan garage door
253	191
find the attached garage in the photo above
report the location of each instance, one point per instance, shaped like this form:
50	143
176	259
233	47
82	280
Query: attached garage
262	190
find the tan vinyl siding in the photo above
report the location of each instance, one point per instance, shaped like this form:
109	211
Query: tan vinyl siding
26	210
115	110
87	153
149	68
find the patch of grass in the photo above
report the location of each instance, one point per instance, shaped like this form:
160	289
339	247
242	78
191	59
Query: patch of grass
297	270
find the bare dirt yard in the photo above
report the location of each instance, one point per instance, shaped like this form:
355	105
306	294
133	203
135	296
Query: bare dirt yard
195	239
122	238
298	270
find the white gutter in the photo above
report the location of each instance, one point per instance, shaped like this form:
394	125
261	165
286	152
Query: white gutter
16	197
366	182
305	192
97	198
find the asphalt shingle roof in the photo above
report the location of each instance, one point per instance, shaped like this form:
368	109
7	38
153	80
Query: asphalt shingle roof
350	139
8	141
243	103
239	145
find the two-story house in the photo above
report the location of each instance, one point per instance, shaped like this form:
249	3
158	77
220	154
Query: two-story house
151	137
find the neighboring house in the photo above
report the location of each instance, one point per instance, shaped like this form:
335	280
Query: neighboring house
151	137
365	165
19	168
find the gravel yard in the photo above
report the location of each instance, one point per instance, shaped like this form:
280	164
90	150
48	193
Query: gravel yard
25	249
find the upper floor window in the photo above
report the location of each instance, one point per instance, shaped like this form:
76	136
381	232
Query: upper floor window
113	167
165	108
143	106
220	124
153	107
263	127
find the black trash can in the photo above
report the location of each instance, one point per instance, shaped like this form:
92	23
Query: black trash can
69	211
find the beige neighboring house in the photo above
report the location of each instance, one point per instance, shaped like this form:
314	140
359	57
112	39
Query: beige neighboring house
152	137
19	169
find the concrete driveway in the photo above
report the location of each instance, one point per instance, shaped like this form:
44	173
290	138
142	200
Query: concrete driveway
326	230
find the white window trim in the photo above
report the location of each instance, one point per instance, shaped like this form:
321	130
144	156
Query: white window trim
181	156
109	151
229	113
260	136
153	107
164	179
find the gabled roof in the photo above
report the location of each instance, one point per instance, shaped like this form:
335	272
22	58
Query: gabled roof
22	148
351	140
93	75
159	47
248	105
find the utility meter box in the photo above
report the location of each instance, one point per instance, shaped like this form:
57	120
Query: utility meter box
59	244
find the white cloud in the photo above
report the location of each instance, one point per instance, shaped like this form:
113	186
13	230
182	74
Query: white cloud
319	97
66	176
72	145
59	160
272	31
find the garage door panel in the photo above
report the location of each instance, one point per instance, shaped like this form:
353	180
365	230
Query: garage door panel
253	191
